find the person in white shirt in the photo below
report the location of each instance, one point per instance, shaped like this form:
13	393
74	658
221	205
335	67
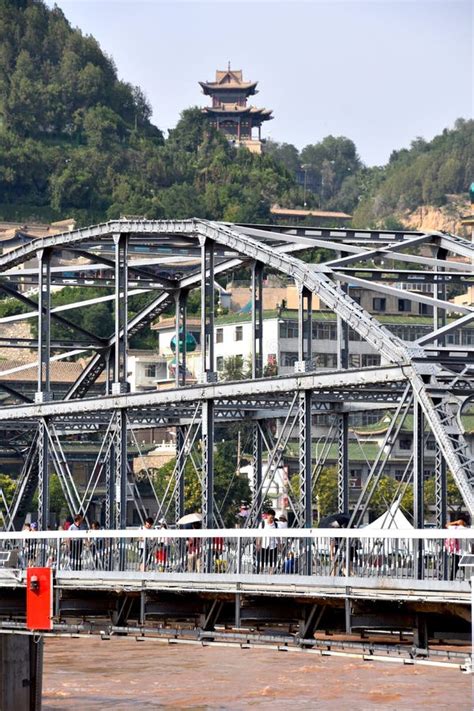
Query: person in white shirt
267	546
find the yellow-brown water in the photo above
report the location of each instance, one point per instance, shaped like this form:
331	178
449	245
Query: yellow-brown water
123	674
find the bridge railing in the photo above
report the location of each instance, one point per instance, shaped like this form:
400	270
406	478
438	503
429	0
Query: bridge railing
403	554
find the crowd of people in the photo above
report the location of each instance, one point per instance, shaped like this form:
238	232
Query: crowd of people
270	553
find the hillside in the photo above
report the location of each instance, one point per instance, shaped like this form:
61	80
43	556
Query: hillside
76	140
445	218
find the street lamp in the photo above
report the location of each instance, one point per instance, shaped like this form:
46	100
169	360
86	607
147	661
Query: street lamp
305	168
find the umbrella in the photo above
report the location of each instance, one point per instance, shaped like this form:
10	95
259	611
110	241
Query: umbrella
338	520
190	518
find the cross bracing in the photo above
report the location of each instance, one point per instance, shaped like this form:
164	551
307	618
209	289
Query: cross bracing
168	259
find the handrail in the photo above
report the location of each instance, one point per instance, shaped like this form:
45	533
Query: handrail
316	533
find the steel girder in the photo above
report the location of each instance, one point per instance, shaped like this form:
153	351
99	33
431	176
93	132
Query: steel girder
437	386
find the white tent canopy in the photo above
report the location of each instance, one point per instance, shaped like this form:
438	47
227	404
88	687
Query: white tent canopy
393	518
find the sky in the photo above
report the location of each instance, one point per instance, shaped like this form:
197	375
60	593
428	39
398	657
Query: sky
380	72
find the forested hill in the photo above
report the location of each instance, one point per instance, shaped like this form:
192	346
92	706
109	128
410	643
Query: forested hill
425	174
76	141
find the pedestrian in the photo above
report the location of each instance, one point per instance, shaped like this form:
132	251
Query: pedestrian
97	548
194	549
267	546
146	546
76	544
162	549
453	545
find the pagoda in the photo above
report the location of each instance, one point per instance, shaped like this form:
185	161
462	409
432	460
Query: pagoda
229	112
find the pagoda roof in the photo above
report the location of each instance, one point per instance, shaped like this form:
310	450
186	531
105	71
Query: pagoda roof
235	110
228	80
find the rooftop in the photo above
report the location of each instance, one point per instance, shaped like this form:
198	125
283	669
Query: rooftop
291	212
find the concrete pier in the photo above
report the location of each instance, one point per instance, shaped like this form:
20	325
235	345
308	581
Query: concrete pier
21	666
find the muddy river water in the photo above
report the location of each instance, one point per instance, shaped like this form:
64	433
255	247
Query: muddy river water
124	674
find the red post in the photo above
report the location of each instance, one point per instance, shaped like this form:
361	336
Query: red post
39	598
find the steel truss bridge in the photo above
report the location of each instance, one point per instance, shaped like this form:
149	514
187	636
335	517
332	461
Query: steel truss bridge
246	586
427	381
428	378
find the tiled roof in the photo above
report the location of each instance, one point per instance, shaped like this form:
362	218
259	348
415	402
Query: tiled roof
290	212
60	371
166	323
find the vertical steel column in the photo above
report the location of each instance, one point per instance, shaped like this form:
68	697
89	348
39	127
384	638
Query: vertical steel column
120	385
109	489
441	489
43	393
343	462
44	325
441	484
181	334
441	507
305	468
257	469
418	465
208	463
180	465
418	480
207	311
305	328
342	331
43	475
257	320
121	470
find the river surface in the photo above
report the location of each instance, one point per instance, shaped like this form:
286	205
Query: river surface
124	674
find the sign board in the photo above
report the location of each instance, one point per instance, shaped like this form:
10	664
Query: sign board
39	598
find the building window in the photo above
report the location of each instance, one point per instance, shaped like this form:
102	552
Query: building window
323	331
425	310
379	304
467	337
239	333
288	358
219	362
370	359
150	371
404	443
325	360
219	335
289	329
355	478
404	305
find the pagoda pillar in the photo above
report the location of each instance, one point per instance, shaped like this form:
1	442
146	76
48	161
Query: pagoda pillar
260	132
250	128
238	130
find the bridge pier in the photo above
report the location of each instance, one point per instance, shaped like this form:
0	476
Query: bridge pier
21	672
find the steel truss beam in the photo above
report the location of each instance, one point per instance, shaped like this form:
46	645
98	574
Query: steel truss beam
438	387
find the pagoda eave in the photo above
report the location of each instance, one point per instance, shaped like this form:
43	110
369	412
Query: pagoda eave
260	114
247	88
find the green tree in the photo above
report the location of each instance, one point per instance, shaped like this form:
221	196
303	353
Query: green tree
325	492
386	492
454	499
7	486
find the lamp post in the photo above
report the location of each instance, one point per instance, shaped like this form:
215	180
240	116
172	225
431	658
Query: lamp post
305	169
